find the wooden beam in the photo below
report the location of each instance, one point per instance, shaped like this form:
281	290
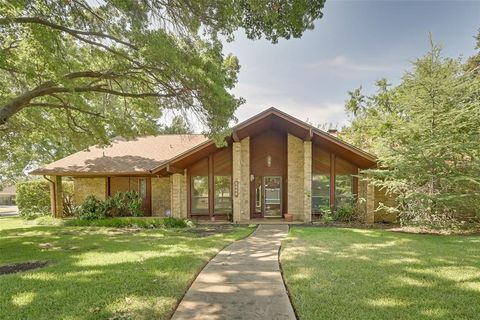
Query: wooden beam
211	194
332	181
235	136
309	135
172	169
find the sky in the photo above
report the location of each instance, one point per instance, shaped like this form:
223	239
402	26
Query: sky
354	44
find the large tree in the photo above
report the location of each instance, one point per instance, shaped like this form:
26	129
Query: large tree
73	73
426	133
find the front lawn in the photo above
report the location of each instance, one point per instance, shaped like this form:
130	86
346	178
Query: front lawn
372	274
102	273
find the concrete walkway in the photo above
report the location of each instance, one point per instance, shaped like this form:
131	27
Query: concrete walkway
242	282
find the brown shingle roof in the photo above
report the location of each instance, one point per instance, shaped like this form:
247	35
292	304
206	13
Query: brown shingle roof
136	156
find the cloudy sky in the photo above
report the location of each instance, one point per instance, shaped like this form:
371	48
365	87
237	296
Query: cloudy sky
355	43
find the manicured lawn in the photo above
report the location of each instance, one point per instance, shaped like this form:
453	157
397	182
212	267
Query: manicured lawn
371	274
101	273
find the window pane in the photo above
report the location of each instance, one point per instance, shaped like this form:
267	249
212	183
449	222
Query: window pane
343	190
320	193
223	194
199	194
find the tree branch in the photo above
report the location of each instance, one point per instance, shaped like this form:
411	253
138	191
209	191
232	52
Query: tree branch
73	32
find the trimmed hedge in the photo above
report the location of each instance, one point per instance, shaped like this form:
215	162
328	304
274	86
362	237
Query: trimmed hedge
145	223
33	197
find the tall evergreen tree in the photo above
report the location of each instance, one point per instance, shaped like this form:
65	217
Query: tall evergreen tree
426	133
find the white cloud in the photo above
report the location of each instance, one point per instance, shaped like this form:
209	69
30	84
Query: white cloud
260	98
344	63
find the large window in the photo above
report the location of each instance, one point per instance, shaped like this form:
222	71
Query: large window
320	193
343	190
223	194
199	194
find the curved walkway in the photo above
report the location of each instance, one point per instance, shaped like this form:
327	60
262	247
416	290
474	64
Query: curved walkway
242	282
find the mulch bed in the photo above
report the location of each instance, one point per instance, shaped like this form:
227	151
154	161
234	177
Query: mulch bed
20	267
206	231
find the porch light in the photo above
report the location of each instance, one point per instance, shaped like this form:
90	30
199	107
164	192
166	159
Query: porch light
269	161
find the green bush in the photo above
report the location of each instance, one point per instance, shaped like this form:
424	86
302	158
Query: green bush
344	213
33	198
144	223
171	222
90	209
121	204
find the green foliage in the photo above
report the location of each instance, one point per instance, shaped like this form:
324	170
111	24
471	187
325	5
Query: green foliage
33	198
91	208
178	126
68	207
77	73
121	204
345	213
144	223
171	222
425	132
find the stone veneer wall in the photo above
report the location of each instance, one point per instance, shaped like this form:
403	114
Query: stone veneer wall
296	177
307	178
241	180
161	196
370	198
179	195
84	187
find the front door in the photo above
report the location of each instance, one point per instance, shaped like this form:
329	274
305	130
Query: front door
272	206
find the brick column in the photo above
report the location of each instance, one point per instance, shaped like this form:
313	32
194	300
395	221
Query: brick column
296	177
241	180
307	181
236	176
178	205
370	206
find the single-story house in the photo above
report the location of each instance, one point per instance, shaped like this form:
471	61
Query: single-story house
272	164
8	195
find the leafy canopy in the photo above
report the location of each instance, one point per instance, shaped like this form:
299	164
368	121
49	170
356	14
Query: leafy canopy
425	132
74	74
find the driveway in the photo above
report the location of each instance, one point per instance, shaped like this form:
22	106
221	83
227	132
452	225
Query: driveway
7	211
242	282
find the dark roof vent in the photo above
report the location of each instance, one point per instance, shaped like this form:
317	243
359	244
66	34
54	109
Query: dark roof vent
333	132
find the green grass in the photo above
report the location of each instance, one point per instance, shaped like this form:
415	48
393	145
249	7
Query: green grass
371	274
101	273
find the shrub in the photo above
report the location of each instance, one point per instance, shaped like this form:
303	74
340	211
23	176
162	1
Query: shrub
145	223
68	207
33	198
344	213
90	209
121	204
171	222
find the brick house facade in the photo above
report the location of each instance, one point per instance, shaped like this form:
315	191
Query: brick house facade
271	165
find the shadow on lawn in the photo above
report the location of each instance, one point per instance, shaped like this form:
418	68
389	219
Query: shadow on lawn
96	275
376	274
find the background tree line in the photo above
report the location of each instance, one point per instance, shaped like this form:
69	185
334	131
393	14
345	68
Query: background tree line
426	134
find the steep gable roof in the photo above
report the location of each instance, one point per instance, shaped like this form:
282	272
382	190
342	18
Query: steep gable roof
156	154
274	118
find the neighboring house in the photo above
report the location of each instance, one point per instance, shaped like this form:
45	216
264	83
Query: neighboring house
7	196
272	164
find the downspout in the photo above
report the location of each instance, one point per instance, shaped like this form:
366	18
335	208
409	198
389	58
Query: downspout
52	197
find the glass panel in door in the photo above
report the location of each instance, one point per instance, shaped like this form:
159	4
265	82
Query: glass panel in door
273	196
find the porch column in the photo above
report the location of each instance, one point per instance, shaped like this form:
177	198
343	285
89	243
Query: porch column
370	206
179	199
56	196
241	180
307	179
